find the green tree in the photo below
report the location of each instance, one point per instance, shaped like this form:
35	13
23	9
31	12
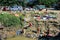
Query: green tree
9	2
13	2
47	2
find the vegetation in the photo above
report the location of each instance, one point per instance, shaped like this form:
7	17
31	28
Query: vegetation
9	20
21	20
47	2
20	38
8	2
25	3
11	2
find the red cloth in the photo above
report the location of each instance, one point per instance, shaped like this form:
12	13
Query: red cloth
30	24
4	9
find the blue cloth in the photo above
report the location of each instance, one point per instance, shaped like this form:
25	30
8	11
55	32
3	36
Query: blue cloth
18	32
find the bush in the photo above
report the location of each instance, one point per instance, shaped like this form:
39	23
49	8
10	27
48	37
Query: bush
9	20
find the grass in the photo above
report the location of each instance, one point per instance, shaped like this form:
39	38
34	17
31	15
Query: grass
20	38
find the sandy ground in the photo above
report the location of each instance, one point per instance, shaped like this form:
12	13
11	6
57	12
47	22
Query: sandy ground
57	11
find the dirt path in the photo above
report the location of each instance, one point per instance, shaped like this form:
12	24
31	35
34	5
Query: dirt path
57	11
